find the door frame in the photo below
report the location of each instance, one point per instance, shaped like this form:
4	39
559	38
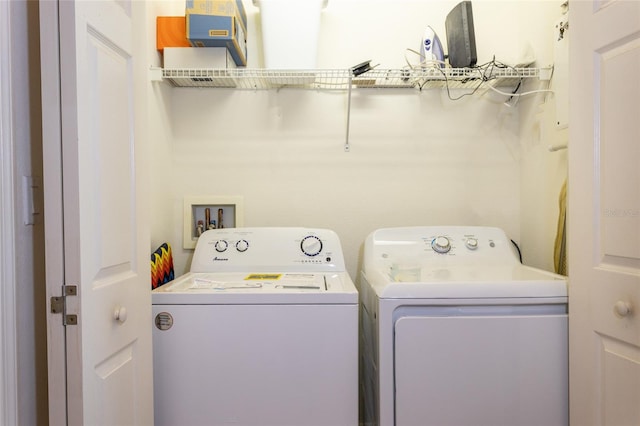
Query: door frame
53	220
8	356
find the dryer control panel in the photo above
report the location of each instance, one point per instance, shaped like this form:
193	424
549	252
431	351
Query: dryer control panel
268	249
440	245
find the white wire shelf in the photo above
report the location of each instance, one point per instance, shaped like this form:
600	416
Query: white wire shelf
339	79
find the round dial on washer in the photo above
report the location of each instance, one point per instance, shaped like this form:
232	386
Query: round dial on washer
221	245
441	244
242	245
471	243
311	245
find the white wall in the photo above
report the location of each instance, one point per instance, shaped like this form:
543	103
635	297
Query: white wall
416	158
543	171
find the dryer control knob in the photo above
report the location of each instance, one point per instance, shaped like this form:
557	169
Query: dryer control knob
471	243
311	245
242	246
441	244
221	245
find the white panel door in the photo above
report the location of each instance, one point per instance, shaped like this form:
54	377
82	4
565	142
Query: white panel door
94	192
604	213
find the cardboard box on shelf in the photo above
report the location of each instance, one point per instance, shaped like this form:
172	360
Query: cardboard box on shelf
171	31
218	31
218	8
198	57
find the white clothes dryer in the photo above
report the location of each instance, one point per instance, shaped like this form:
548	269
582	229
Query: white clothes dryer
261	332
457	332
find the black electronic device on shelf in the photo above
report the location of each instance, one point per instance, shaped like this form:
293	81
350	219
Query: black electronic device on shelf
461	41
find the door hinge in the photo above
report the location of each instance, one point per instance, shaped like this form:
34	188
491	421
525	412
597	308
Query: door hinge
58	305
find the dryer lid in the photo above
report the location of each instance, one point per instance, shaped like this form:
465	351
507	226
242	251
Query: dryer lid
495	281
452	262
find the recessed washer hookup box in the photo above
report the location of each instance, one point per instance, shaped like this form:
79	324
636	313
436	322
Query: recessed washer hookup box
218	31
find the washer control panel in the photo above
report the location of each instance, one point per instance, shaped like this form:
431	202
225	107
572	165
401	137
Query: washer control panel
268	249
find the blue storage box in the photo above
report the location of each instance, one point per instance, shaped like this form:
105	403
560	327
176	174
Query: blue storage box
218	31
218	8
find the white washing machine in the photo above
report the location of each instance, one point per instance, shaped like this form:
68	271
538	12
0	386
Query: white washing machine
456	331
262	331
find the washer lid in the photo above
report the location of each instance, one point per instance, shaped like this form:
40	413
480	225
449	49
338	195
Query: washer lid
258	288
493	281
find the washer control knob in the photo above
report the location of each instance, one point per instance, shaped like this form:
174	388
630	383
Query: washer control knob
471	243
242	246
441	244
221	245
311	245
